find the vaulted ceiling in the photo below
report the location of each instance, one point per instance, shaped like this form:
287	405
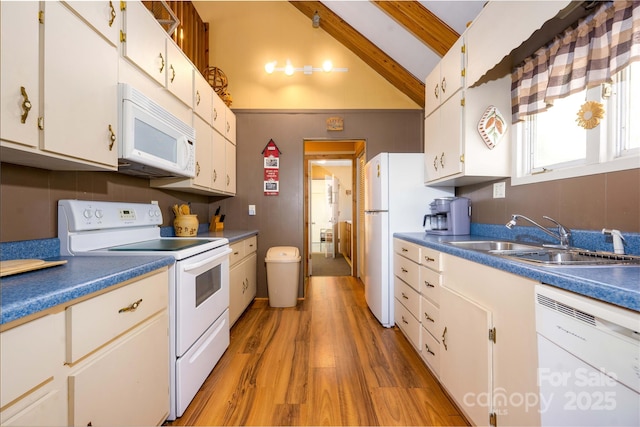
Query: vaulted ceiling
401	40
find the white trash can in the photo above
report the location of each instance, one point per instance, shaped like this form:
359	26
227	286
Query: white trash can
283	271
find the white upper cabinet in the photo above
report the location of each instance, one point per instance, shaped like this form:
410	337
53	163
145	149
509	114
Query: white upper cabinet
149	47
59	76
19	64
102	16
179	74
203	98
145	41
80	88
446	78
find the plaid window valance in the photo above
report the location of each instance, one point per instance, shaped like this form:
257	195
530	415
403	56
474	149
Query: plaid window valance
583	56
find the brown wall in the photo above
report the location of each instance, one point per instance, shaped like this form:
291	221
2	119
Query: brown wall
28	196
610	200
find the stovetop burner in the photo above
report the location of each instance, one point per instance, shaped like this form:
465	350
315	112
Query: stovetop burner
166	245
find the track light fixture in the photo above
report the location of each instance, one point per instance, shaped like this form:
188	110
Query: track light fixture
289	69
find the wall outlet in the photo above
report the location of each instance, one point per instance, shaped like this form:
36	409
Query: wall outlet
499	190
252	209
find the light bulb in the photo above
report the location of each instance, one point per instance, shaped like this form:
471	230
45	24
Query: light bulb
327	65
288	69
269	67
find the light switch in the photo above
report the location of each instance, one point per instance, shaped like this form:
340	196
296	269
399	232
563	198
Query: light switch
252	209
499	190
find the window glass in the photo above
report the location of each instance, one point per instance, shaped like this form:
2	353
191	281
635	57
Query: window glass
556	137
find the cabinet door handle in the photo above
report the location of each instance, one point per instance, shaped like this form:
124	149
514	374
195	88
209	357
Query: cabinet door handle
215	114
26	105
426	315
131	307
197	168
428	350
161	62
404	296
215	175
404	270
228	180
436	91
405	250
173	73
112	13
197	97
427	259
404	320
443	85
428	285
112	138
444	338
442	159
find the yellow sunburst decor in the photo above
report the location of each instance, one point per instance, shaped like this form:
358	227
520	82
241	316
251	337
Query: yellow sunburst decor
590	114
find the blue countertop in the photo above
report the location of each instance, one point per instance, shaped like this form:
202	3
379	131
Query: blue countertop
231	235
28	293
619	285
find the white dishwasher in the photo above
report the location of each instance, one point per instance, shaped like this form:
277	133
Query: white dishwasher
588	361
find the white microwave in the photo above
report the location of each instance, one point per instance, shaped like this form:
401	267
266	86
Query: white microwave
152	142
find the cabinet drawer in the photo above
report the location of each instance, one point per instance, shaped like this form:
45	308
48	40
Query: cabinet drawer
128	383
408	324
408	297
431	258
407	250
95	322
250	245
430	282
30	356
407	271
430	351
237	252
430	316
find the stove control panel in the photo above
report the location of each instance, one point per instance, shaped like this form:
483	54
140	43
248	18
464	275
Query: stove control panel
83	215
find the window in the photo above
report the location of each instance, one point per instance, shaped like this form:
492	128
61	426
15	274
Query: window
551	144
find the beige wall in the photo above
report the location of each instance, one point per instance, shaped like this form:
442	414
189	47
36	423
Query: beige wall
245	35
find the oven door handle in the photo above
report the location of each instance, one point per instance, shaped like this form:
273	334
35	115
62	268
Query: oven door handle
206	261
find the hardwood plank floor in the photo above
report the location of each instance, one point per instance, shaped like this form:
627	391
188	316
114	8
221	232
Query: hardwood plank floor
325	362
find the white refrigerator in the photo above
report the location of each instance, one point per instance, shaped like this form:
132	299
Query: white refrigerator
395	200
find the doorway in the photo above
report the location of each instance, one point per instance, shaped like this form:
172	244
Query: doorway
331	194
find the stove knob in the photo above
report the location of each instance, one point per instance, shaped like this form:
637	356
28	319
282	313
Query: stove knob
87	213
99	213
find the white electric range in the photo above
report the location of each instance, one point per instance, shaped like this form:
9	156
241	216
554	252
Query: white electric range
198	281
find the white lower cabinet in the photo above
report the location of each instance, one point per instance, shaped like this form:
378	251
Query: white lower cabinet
127	384
118	355
101	361
242	276
33	390
465	354
475	331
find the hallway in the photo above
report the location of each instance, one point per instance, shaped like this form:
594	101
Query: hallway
325	362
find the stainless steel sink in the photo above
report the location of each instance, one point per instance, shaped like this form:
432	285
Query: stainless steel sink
570	257
492	245
544	256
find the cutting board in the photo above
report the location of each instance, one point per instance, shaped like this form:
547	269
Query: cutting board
16	266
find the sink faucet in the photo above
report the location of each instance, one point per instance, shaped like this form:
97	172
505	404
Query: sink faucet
564	234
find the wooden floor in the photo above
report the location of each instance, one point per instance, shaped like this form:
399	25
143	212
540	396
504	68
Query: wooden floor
325	362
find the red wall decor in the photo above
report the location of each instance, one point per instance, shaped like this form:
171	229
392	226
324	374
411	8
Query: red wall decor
271	160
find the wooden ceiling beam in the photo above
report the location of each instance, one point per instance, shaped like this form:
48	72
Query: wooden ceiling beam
382	63
422	23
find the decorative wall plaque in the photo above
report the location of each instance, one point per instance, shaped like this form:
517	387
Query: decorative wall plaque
335	123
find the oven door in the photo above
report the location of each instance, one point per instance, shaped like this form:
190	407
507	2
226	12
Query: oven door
202	294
